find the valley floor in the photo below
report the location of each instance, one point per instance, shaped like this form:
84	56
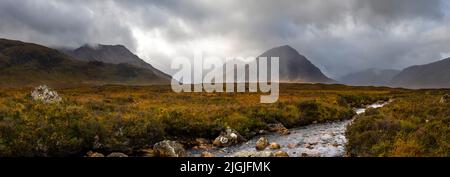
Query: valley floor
129	119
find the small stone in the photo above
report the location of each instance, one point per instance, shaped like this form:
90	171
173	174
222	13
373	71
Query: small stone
117	154
207	154
95	154
253	154
148	153
304	155
200	141
291	146
281	154
262	143
278	128
274	146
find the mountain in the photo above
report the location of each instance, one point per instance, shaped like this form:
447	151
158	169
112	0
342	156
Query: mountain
295	67
370	77
433	75
114	54
28	64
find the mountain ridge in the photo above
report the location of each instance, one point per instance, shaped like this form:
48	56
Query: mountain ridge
370	77
431	75
113	54
295	67
29	64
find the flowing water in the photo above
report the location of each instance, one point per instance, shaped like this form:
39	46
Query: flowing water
317	140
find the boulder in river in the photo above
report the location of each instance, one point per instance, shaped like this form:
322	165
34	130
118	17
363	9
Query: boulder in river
254	154
169	148
281	154
117	154
228	138
278	128
274	146
262	143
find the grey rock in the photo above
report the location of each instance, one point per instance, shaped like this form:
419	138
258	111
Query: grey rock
228	138
44	94
169	148
117	154
254	154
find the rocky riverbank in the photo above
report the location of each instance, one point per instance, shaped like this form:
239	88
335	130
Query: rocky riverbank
317	140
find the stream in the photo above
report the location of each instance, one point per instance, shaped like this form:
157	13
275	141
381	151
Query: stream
316	140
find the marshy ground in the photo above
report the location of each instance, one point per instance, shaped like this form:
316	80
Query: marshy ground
129	119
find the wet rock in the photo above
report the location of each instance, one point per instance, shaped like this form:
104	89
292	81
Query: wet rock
291	146
44	94
205	147
262	143
274	146
202	141
310	146
169	148
147	153
278	128
117	154
254	154
228	138
94	154
445	99
281	154
202	144
207	154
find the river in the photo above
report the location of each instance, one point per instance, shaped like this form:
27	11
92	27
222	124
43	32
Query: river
316	140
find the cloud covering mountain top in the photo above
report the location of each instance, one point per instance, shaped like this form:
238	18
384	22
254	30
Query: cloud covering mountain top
339	36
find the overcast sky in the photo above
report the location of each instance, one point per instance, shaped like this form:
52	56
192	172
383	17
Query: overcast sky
339	36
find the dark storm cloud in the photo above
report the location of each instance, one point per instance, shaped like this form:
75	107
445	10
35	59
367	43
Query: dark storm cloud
62	23
339	36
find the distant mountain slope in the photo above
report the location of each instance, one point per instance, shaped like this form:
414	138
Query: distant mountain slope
27	64
114	54
295	67
370	77
433	75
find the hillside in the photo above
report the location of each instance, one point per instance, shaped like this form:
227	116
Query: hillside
295	67
370	77
27	64
433	75
113	54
